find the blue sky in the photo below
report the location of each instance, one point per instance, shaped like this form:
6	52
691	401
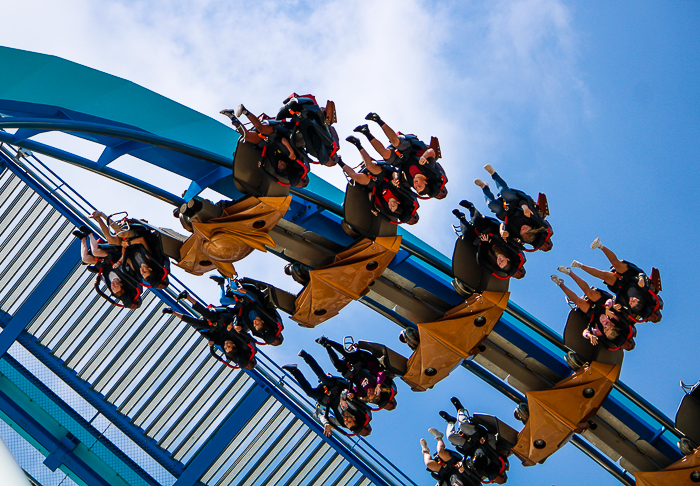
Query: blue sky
594	103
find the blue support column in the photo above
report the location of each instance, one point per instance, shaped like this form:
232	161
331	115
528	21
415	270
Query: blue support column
60	450
228	429
40	296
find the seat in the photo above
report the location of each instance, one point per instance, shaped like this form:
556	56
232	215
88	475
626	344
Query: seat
249	178
469	275
359	218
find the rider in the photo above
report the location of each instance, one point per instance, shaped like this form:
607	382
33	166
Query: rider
634	291
605	322
523	220
370	384
238	347
329	394
274	136
252	315
385	191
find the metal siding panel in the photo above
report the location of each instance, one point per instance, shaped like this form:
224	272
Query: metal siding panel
258	446
309	465
169	386
328	471
184	339
142	363
208	393
245	431
93	370
267	461
215	416
346	476
55	325
207	416
76	279
34	273
94	334
174	409
79	330
292	458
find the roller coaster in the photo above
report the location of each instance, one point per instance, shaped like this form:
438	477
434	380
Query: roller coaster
198	422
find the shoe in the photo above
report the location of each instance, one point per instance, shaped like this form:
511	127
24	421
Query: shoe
596	244
489	169
373	117
557	280
480	183
217	279
167	310
458	405
363	129
436	433
241	110
564	269
576	264
289	367
355	141
323	341
424	446
303	354
448	418
92	269
458	213
182	295
466	204
78	234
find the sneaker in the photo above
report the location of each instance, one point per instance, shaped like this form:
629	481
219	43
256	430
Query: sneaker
373	117
303	354
448	418
489	169
576	264
458	405
436	433
217	279
466	204
557	280
78	234
596	244
424	446
480	183
363	129
228	113
458	213
167	310
323	341
564	269
241	110
355	141
289	367
182	295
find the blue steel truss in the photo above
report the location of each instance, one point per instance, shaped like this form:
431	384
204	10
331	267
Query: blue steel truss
520	347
